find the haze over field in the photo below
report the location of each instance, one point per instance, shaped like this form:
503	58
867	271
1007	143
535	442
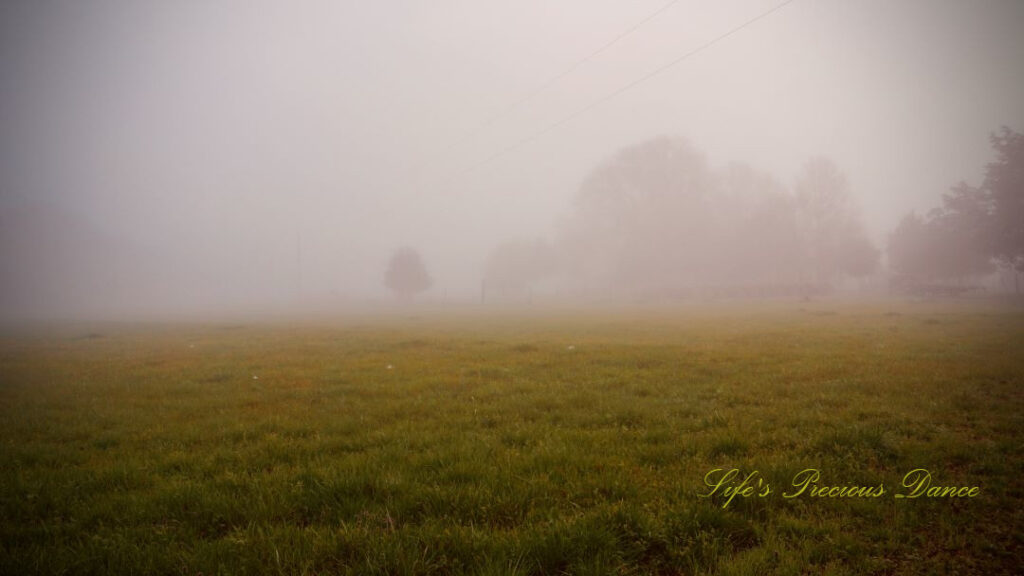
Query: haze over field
176	157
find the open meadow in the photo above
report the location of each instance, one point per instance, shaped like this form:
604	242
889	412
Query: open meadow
518	442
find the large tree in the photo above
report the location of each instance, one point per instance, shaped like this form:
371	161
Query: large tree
911	249
973	227
948	244
772	245
963	232
1004	182
832	232
642	218
406	274
656	218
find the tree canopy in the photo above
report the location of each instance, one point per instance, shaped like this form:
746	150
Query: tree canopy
657	217
1004	183
406	274
973	228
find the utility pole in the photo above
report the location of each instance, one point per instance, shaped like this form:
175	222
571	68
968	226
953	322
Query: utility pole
298	264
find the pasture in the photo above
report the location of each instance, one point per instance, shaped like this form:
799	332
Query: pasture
516	442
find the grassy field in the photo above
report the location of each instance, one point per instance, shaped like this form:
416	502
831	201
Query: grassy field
501	443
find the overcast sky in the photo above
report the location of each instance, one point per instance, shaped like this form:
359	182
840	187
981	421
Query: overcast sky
230	136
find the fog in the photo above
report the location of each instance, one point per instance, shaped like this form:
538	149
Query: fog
180	157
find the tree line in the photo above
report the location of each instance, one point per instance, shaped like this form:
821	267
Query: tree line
973	232
656	219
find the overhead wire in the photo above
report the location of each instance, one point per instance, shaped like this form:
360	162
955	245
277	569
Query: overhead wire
614	93
543	87
558	77
536	135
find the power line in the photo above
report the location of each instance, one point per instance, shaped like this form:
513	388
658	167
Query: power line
657	71
515	105
614	93
555	79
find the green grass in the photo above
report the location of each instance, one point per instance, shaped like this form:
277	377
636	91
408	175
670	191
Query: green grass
551	443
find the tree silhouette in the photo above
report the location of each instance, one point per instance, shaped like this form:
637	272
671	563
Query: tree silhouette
830	223
657	218
1004	182
406	275
973	226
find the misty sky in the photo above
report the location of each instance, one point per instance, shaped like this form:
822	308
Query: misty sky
223	135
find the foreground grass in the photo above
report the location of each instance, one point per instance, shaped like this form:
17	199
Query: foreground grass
548	444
